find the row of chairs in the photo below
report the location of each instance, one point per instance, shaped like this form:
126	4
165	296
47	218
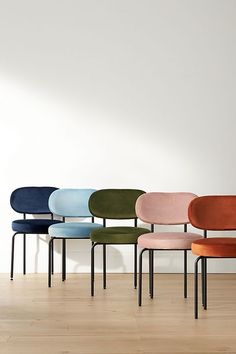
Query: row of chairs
206	213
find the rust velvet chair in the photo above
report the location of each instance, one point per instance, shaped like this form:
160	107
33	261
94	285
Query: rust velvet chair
216	213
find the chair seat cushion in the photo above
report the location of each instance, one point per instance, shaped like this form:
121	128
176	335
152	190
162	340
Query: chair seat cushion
73	229
33	226
215	247
117	234
168	240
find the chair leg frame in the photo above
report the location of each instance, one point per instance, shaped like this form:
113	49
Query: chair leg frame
185	274
104	266
50	258
13	252
140	275
92	268
52	248
135	265
63	259
204	284
24	254
63	254
94	244
151	273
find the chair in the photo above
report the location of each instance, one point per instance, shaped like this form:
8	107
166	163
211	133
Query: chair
30	200
164	209
216	213
117	204
69	203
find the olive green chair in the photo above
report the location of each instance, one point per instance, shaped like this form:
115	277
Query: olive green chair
116	204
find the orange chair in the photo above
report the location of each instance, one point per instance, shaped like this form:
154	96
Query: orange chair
217	213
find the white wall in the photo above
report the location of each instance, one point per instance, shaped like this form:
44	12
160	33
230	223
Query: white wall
123	93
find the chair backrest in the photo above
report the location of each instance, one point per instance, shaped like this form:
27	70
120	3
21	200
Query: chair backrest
71	202
164	208
114	203
31	200
215	212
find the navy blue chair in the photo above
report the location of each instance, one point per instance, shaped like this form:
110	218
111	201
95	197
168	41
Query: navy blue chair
30	200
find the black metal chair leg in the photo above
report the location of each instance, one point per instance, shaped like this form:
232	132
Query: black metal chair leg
92	269
12	254
152	274
140	277
135	266
63	259
52	256
50	262
150	271
185	274
203	280
104	267
196	288
205	284
24	254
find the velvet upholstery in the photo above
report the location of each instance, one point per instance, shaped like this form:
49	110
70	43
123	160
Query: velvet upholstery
33	226
215	247
73	229
213	212
117	234
217	212
164	208
158	208
70	202
114	203
168	240
31	200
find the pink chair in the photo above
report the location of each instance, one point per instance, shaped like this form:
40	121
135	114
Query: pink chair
164	209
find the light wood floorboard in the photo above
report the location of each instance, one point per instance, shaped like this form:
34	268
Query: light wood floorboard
66	320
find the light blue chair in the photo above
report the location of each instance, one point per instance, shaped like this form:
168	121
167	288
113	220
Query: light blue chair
71	203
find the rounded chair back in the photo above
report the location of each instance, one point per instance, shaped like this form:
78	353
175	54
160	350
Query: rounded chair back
71	202
114	203
215	212
164	208
31	200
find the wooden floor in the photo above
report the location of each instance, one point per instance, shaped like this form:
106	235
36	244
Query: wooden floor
66	320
